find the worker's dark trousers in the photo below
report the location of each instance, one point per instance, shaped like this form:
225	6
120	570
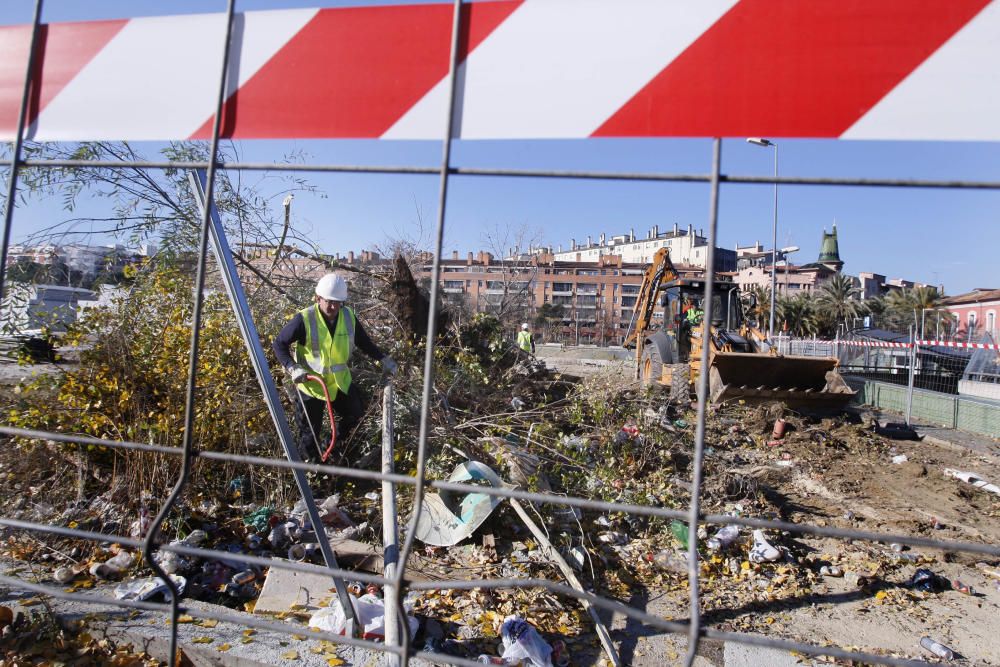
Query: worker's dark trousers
309	421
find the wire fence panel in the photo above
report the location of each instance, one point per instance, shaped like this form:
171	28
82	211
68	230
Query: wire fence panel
929	378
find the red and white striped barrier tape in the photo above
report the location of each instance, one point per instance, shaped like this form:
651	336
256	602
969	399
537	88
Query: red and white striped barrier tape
868	343
948	343
550	69
919	343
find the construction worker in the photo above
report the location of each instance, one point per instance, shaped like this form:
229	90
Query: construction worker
525	340
694	314
319	341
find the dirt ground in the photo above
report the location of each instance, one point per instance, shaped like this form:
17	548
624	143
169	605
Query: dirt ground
840	478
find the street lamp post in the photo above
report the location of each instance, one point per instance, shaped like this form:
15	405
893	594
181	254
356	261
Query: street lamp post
758	141
784	253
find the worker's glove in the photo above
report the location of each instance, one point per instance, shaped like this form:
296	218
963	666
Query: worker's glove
298	373
389	364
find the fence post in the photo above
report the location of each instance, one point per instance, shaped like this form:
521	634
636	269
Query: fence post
913	372
390	541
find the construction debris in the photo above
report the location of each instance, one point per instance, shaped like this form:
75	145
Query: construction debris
601	439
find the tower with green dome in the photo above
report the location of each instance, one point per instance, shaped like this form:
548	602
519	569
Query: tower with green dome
829	251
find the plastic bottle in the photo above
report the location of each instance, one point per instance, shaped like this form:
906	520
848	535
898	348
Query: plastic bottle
490	660
940	650
779	429
831	571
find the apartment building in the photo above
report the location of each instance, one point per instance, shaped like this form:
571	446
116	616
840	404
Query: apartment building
588	301
687	247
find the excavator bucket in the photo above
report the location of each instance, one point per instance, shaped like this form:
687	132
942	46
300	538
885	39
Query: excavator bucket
800	382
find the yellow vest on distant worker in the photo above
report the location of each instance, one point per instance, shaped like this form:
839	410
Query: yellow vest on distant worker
327	355
524	340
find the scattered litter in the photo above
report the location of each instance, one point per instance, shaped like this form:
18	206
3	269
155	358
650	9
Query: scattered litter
762	550
613	537
144	589
522	642
723	538
900	458
259	519
244	577
449	517
973	479
831	571
302	551
680	531
962	587
926	581
940	650
855	580
577	557
369	611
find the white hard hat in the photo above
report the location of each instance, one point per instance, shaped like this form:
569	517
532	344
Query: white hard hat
332	288
525	326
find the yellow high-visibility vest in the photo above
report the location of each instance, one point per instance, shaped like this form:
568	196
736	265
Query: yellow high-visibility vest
327	355
524	340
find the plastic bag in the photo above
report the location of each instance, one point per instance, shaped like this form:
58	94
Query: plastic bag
369	611
522	642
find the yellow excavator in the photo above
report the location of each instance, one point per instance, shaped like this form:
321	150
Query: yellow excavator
742	366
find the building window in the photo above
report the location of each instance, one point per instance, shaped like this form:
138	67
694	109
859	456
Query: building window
991	322
972	323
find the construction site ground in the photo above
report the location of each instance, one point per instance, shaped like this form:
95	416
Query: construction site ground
827	472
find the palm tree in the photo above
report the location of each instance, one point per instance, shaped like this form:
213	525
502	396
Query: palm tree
907	305
759	311
840	300
798	315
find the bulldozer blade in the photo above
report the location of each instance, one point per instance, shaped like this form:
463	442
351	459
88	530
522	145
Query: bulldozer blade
810	382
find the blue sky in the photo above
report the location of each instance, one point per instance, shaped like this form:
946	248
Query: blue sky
935	236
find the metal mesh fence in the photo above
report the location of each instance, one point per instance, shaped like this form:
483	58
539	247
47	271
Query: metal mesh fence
883	364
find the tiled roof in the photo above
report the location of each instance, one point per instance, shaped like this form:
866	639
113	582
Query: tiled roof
975	296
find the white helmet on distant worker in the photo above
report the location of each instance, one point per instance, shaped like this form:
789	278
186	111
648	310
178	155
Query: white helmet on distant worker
525	326
332	288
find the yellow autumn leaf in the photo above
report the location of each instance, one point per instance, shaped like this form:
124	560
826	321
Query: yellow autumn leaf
333	662
249	632
202	640
185	619
246	640
290	655
224	647
209	623
880	595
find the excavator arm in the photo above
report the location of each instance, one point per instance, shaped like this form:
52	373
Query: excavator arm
660	270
